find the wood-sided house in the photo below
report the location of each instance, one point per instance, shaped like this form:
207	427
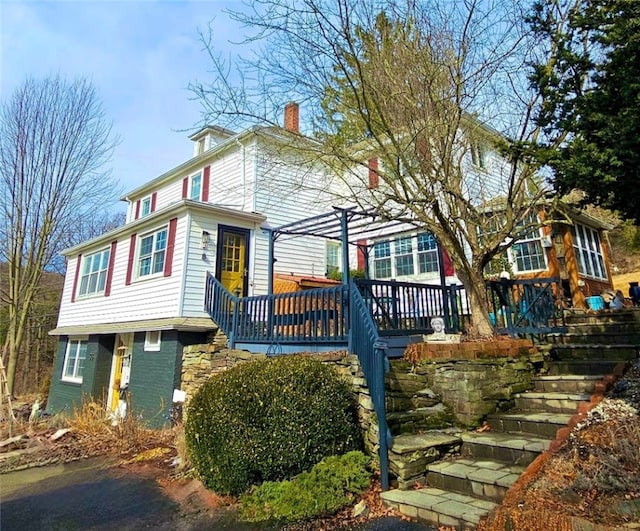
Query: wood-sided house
134	297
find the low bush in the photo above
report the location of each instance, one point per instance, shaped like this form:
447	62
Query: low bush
330	485
269	420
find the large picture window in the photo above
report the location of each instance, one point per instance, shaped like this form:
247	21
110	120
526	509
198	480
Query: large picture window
74	359
405	256
93	275
152	252
588	251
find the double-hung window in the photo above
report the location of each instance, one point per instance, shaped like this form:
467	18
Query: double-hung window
427	253
152	252
382	259
588	251
333	258
403	249
93	276
195	189
527	254
74	359
145	206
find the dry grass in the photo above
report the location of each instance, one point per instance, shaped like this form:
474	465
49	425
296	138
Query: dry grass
621	282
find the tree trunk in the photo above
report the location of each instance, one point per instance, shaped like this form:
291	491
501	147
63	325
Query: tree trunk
474	283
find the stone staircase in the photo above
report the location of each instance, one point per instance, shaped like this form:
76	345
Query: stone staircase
467	474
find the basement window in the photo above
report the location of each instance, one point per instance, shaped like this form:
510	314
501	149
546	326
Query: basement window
152	340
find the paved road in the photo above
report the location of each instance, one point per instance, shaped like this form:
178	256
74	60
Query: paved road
89	495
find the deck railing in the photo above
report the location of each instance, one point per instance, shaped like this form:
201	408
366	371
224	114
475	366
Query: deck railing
309	316
528	306
405	307
366	344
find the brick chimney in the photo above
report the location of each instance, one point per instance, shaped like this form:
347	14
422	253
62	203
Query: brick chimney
292	117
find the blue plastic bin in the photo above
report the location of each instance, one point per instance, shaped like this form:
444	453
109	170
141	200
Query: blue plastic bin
595	303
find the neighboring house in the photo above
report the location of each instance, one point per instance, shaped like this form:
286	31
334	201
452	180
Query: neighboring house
134	297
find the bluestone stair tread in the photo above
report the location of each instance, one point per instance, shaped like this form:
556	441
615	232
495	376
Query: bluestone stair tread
410	443
534	416
568	377
514	441
554	396
482	470
451	504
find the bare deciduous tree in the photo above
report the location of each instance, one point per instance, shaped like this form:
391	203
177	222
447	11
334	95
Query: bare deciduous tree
54	143
425	88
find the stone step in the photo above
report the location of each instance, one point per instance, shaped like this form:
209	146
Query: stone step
582	367
607	336
595	352
605	317
482	478
513	448
543	425
418	420
438	507
410	455
566	383
550	402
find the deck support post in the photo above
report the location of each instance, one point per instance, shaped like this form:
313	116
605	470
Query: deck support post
443	285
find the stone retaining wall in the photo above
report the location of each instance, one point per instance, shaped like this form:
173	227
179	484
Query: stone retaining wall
476	383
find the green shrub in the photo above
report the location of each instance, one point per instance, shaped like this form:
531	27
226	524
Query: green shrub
269	420
330	485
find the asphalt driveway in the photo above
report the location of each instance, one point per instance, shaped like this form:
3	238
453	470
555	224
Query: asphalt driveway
93	495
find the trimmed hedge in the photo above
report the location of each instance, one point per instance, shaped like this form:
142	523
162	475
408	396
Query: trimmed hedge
330	485
269	420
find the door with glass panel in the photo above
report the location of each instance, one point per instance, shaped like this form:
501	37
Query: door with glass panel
232	260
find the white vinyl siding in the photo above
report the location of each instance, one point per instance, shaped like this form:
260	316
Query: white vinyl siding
74	359
93	274
588	251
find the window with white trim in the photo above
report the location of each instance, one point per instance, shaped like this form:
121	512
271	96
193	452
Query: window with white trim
195	186
93	275
588	251
145	206
403	250
382	259
152	340
528	253
333	258
405	256
151	253
74	359
479	156
427	253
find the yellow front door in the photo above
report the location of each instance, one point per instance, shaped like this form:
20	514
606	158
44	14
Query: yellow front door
232	261
116	375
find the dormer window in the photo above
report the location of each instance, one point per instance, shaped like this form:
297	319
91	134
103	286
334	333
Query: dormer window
195	187
479	156
200	146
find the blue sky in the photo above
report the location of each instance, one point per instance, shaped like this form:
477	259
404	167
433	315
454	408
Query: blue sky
140	55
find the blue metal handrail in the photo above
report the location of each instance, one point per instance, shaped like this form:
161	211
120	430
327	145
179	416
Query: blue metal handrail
315	315
407	307
371	352
526	306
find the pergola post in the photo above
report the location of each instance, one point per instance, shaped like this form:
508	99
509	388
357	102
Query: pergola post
344	233
271	261
443	286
